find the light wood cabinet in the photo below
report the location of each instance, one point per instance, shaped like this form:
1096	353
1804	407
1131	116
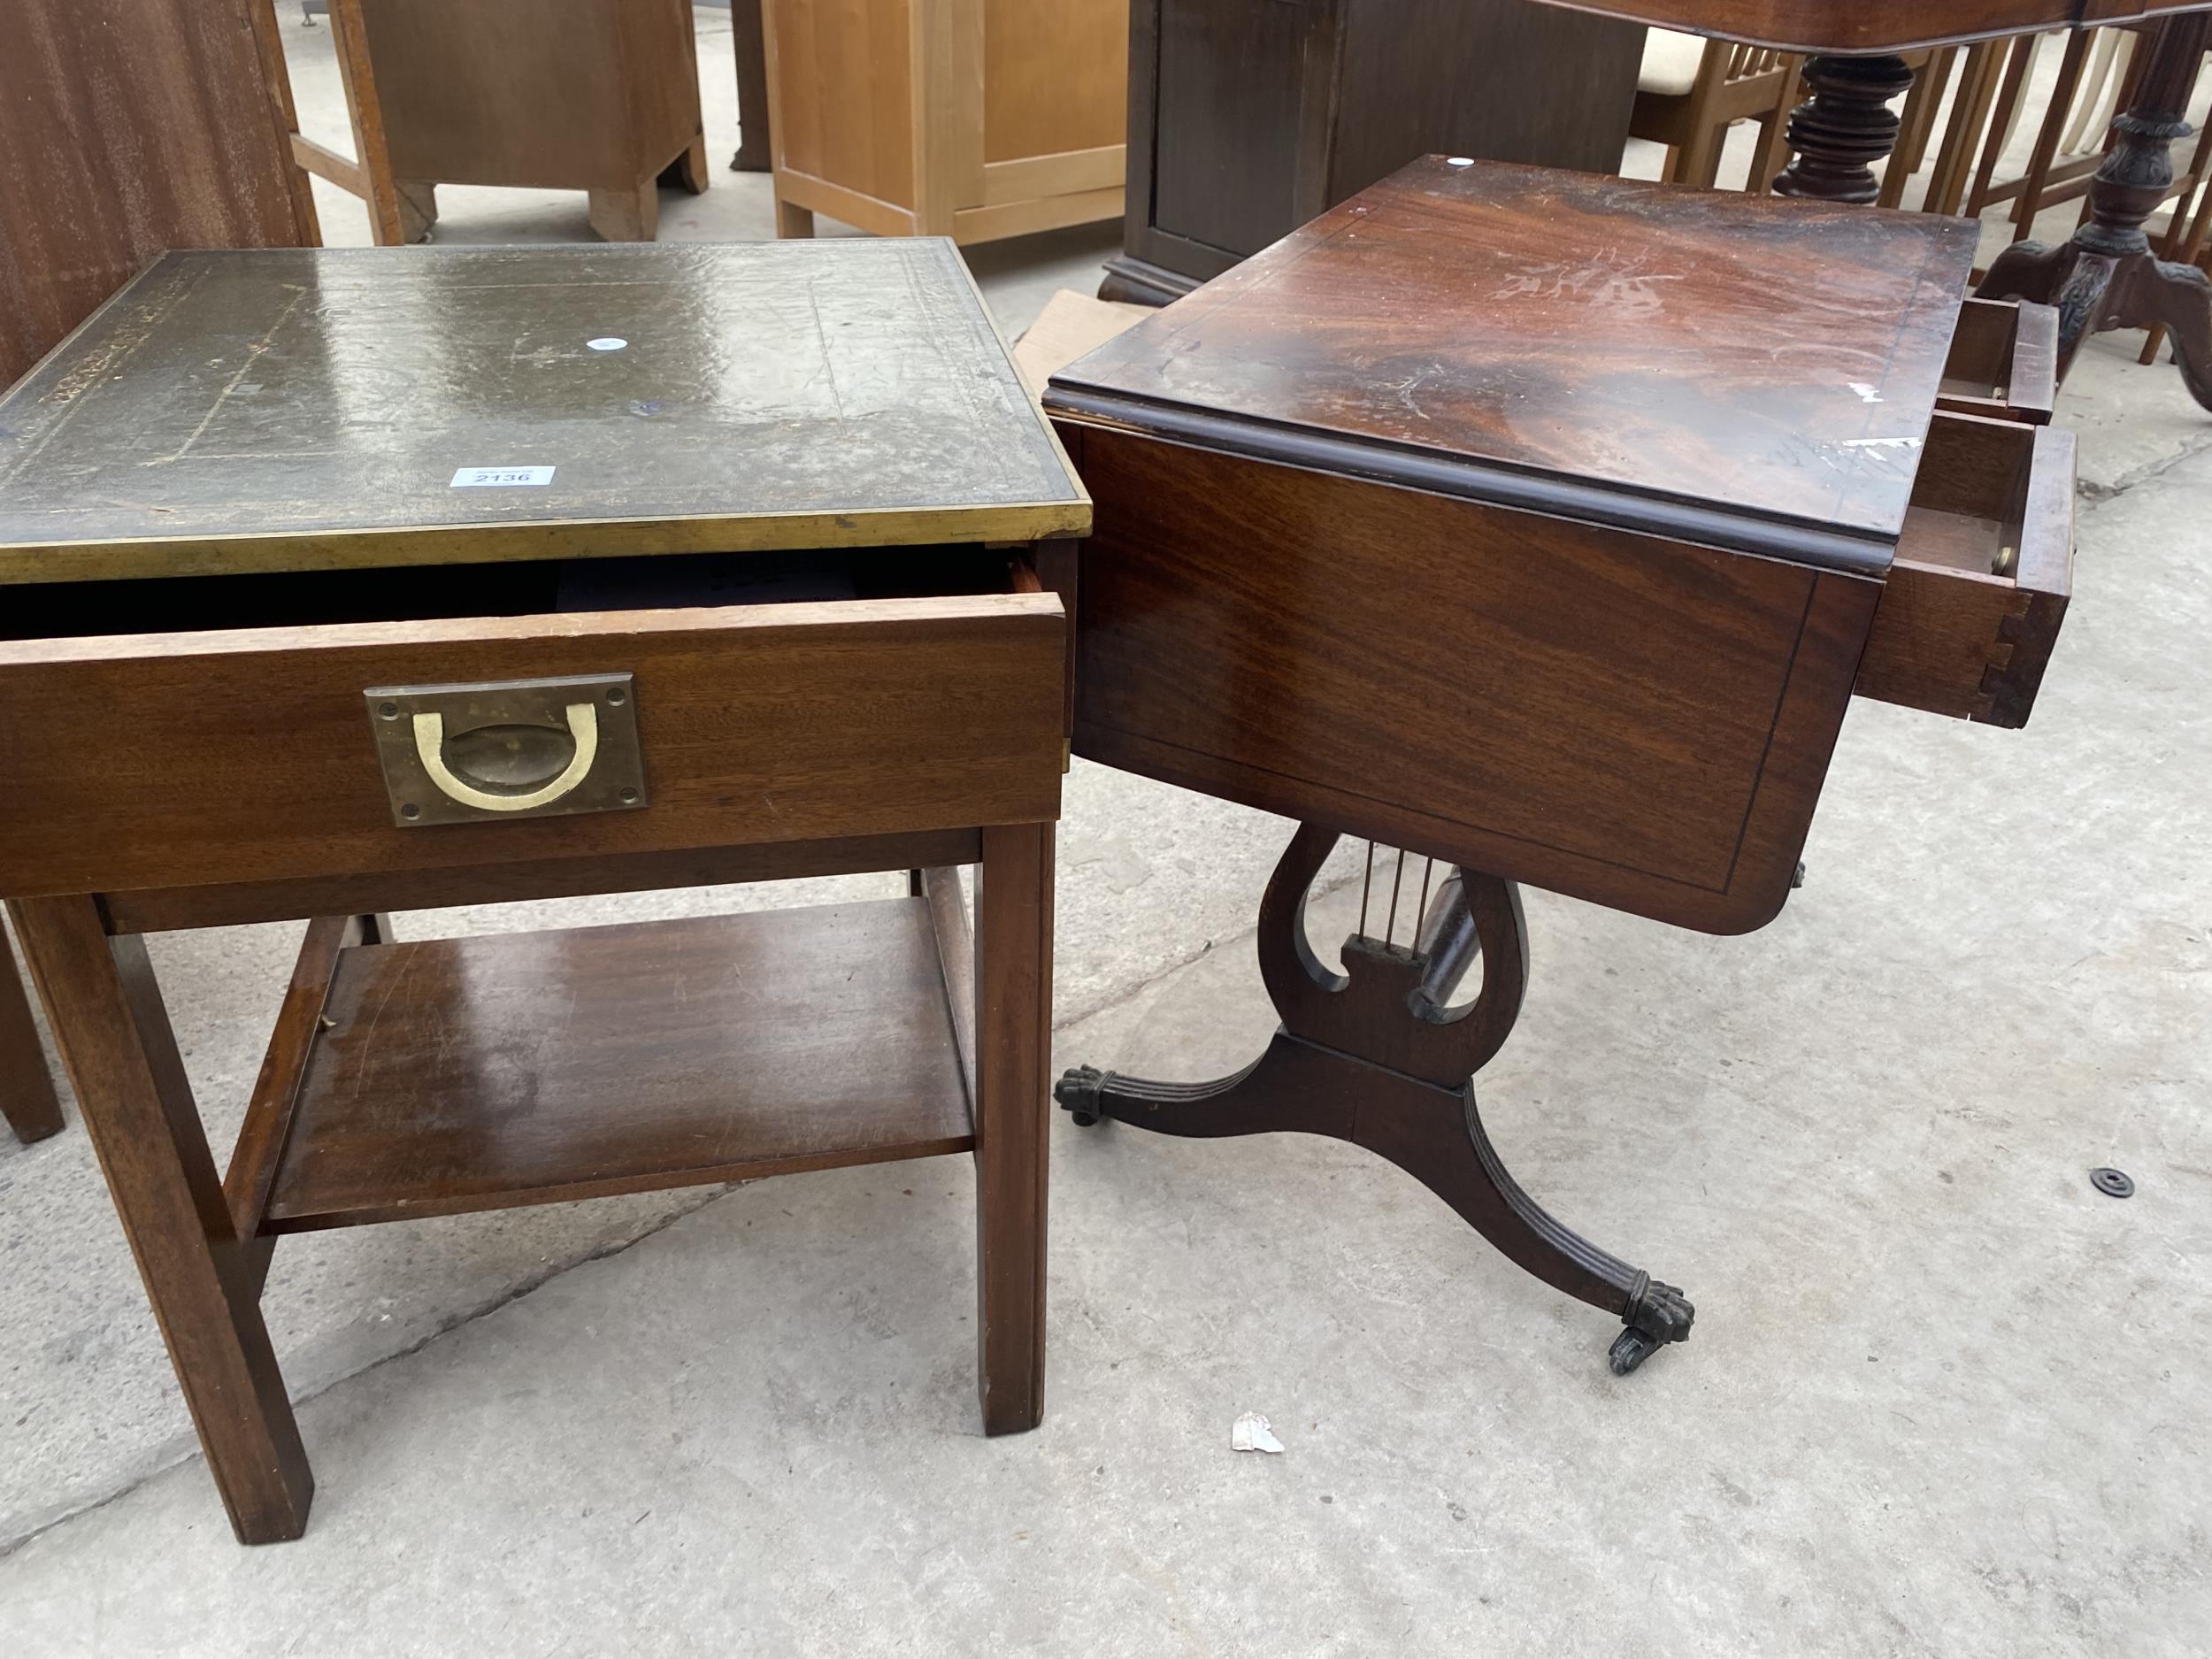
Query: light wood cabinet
969	119
598	95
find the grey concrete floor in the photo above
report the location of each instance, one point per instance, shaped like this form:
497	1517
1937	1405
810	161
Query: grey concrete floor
1942	1397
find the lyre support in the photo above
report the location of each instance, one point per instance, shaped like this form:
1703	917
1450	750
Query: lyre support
1376	1055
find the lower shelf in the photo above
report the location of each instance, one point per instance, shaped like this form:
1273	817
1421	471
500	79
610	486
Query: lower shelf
462	1074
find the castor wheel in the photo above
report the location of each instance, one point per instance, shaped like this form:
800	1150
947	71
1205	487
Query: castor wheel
1078	1093
1630	1350
1656	1315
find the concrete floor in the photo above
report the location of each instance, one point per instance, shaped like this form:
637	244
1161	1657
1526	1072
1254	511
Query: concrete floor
1941	1400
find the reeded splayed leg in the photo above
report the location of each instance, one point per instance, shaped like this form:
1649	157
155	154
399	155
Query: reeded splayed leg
1379	1056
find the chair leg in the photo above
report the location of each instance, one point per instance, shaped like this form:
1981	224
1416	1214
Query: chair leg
1013	1093
2037	178
1771	154
27	1089
1916	125
136	1103
1700	163
2002	122
417	203
2185	237
631	215
1969	114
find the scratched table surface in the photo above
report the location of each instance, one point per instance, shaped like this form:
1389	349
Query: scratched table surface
1764	361
321	409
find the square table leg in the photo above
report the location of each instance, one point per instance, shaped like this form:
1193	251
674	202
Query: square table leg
1013	1083
136	1101
26	1089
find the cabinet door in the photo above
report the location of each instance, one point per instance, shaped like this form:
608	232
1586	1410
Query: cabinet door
1240	124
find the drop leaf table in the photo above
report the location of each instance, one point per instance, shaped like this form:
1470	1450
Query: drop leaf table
1542	526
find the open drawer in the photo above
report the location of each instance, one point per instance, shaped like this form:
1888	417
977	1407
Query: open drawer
2003	362
215	730
1983	567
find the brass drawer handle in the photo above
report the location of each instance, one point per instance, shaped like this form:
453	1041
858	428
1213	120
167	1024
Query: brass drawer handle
583	731
508	749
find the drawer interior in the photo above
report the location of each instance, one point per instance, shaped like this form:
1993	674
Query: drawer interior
2004	361
1970	499
197	603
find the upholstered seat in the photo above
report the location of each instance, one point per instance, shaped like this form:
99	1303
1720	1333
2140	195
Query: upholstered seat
1670	63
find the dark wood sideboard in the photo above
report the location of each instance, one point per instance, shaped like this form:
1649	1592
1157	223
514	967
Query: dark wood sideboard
1247	118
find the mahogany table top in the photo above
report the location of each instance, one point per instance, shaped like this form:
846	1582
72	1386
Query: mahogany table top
1744	372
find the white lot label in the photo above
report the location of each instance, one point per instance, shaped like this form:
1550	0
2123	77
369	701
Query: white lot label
501	477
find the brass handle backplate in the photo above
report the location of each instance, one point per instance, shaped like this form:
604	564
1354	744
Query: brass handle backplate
508	749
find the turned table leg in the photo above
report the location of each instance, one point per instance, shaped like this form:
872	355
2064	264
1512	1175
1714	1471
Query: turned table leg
132	1091
2108	276
1012	1086
1844	127
26	1090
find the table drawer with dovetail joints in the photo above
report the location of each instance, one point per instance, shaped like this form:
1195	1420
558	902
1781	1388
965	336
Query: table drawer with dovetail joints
1972	606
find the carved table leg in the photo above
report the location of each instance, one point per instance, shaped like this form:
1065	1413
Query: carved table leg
1376	1056
2107	277
1843	129
136	1104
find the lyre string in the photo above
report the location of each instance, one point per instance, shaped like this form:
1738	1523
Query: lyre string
1366	881
1421	910
1390	927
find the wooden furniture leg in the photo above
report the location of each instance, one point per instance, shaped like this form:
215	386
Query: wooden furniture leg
2190	250
2033	182
753	151
1773	152
1376	1055
1979	82
26	1089
416	200
1931	77
390	224
689	172
1915	124
2108	276
2020	62
2185	233
1011	1084
122	1059
791	221
1844	128
631	215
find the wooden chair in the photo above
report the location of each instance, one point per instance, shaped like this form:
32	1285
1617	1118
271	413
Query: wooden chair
2094	68
1690	92
598	95
27	1088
